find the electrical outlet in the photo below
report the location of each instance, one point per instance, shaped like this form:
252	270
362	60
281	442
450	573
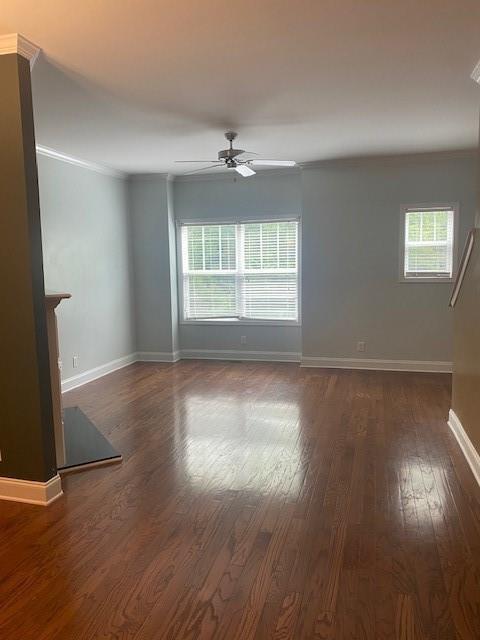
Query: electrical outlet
361	346
75	362
243	339
60	365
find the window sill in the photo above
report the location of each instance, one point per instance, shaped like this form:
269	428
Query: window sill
421	280
238	323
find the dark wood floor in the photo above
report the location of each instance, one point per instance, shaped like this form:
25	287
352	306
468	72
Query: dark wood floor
254	501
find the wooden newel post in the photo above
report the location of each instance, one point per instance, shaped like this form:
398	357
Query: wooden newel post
52	300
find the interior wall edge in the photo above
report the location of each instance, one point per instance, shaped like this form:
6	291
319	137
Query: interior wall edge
97	372
466	445
31	492
375	364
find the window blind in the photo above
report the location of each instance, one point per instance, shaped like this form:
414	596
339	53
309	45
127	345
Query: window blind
429	243
243	271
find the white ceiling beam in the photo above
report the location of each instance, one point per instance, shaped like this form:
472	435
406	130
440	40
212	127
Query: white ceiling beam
16	43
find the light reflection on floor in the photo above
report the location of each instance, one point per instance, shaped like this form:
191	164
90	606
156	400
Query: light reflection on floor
258	452
422	496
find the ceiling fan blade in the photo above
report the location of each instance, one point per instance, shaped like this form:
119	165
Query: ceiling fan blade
203	161
273	163
244	171
210	166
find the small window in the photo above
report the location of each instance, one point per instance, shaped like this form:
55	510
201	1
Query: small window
428	243
243	271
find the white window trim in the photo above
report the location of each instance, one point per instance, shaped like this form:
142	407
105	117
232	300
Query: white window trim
235	322
401	261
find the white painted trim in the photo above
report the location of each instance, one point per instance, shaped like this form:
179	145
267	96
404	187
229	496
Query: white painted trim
16	43
85	164
92	374
158	356
42	493
227	174
377	365
235	354
244	322
153	177
389	158
476	73
255	356
466	445
238	220
404	208
463	266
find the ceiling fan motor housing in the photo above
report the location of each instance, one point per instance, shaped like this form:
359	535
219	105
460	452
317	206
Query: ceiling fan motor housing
229	154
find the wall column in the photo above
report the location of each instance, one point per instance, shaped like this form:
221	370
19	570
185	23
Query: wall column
28	470
153	241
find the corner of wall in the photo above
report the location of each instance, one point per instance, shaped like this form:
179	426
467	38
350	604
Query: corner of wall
154	263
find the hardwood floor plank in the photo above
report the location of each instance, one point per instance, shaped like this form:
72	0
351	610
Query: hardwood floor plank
255	501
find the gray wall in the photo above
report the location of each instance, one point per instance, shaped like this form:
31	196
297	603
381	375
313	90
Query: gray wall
350	245
267	194
86	251
351	290
154	263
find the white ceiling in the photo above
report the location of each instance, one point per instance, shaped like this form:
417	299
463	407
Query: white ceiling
137	84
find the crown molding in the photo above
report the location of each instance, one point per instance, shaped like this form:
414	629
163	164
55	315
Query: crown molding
51	153
16	43
476	73
227	174
420	156
145	177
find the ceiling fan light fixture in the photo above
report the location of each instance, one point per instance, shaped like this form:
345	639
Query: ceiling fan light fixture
273	163
244	171
229	158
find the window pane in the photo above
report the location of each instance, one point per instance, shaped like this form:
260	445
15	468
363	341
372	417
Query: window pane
262	281
228	247
288	245
269	245
441	225
271	296
428	226
253	259
195	247
427	259
429	242
210	296
414	226
212	247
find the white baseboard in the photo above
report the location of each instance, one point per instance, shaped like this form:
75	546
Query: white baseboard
236	354
42	493
255	356
158	356
97	372
378	365
466	445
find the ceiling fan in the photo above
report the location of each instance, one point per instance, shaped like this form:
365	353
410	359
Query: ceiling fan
230	158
